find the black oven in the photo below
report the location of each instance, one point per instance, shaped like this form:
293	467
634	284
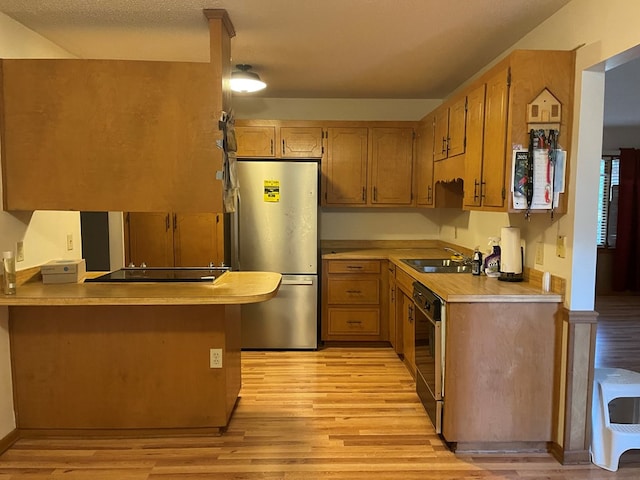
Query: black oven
428	352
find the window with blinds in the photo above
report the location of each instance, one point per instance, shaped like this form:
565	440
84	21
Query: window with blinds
608	201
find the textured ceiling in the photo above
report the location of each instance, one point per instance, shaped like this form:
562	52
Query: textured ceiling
421	49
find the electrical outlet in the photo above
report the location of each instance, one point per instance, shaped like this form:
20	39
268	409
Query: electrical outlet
215	358
539	253
561	246
69	241
20	252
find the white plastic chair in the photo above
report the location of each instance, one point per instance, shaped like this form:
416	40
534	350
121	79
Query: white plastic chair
610	440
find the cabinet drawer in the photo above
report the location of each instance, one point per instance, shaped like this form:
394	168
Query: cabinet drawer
352	321
353	266
351	291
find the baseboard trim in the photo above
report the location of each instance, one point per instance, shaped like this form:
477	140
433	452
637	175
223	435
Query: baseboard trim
569	457
499	447
118	432
8	440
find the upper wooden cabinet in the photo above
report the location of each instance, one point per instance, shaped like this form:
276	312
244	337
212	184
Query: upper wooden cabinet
368	166
424	162
475	135
391	166
106	135
168	239
476	130
492	188
449	130
114	135
508	88
257	142
345	168
301	142
276	140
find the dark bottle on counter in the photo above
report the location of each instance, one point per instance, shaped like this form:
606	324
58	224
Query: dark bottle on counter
476	262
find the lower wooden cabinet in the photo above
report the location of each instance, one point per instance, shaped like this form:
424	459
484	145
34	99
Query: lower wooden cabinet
407	309
168	239
395	328
405	319
499	373
353	304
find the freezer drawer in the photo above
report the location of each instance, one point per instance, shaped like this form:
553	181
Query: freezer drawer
288	321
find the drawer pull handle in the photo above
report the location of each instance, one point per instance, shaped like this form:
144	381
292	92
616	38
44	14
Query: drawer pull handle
357	267
354	291
358	322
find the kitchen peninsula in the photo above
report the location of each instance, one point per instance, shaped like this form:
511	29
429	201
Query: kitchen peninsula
129	359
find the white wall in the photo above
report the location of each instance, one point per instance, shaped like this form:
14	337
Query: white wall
43	233
378	224
614	138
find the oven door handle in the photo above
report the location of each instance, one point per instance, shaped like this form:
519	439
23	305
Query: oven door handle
428	315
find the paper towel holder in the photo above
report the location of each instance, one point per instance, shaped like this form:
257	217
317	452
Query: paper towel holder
512	276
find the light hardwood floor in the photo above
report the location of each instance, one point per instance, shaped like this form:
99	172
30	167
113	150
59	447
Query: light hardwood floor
332	414
618	337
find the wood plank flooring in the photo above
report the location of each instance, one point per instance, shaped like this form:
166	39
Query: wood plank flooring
618	336
332	414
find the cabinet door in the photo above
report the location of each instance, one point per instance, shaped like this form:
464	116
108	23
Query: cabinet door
256	141
424	162
457	128
301	142
345	171
150	239
408	333
473	156
198	239
395	330
391	166
495	134
441	127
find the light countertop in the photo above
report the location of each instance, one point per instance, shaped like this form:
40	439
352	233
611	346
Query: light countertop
230	288
451	287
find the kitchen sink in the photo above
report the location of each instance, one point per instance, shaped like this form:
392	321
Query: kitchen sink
437	265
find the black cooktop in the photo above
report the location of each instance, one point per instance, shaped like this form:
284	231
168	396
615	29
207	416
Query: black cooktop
160	274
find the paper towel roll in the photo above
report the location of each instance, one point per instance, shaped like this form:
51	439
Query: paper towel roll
510	252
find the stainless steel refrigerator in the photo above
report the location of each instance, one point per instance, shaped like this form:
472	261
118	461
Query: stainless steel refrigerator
275	229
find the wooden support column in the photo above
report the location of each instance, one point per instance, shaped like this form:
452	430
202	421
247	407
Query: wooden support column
575	380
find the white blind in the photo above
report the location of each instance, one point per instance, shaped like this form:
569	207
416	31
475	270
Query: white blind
608	201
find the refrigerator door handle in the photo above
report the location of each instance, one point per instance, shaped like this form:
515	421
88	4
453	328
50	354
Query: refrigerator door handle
296	282
235	236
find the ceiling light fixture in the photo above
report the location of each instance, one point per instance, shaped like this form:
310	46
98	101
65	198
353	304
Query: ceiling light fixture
245	81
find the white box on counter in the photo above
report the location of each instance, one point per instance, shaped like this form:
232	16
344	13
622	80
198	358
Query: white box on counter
63	271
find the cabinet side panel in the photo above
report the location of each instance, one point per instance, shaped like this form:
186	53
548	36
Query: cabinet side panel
499	373
110	135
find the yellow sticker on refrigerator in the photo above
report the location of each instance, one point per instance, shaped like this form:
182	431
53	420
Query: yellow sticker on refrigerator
272	190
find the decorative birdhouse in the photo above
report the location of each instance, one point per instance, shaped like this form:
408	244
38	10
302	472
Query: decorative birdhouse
544	112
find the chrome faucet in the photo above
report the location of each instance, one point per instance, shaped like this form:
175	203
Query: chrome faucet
465	259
